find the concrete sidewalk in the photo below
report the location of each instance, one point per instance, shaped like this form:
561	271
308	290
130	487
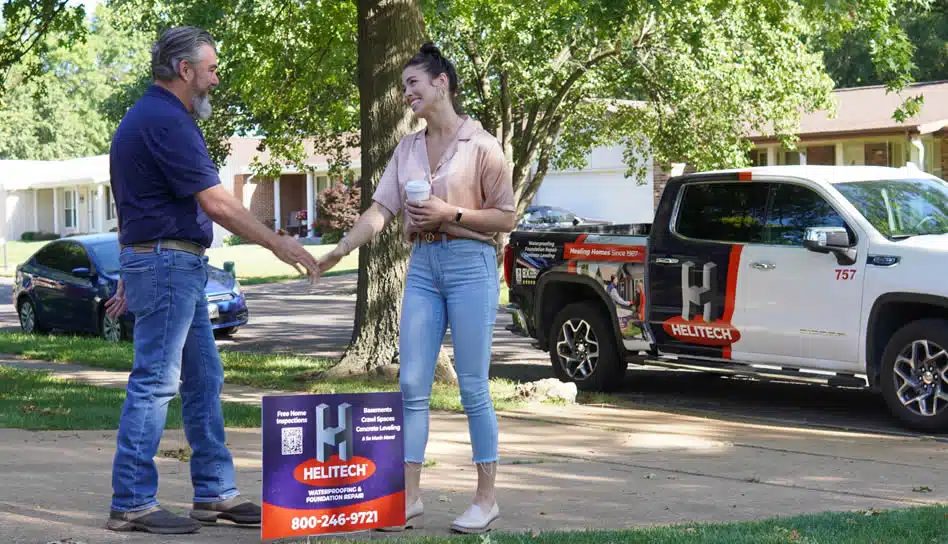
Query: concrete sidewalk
563	467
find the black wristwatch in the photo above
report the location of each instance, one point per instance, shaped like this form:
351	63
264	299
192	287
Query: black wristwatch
457	217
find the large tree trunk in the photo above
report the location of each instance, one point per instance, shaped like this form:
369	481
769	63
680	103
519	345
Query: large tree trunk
390	32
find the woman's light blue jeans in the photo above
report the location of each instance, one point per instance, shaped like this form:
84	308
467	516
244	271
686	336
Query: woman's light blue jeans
450	282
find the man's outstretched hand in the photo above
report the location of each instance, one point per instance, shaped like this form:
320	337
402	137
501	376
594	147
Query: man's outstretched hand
116	306
293	253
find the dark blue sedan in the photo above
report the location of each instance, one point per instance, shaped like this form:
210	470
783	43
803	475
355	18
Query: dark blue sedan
65	284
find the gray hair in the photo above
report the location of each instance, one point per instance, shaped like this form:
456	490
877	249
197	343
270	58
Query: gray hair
175	45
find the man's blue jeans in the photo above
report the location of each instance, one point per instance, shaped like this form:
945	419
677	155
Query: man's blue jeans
174	350
450	282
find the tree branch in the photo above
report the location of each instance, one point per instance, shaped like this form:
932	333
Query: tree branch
32	39
505	116
549	115
543	164
482	86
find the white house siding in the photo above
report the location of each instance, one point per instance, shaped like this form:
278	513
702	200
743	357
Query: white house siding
45	209
20	213
601	190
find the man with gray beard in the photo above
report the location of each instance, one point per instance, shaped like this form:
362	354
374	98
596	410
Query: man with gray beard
167	194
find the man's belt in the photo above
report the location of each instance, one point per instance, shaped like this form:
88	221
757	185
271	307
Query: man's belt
177	245
429	237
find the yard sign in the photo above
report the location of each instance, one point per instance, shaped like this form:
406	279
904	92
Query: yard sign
332	464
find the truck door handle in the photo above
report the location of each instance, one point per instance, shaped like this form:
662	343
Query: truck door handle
666	260
763	266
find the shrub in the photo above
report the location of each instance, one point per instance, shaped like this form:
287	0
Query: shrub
331	237
235	240
30	236
338	210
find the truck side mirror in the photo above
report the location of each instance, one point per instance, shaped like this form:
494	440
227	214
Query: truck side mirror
833	240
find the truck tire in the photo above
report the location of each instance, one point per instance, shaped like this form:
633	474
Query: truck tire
915	374
583	348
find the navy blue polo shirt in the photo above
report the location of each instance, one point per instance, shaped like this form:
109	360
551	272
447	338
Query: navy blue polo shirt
158	162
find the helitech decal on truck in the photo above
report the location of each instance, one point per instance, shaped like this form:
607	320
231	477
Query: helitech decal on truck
705	318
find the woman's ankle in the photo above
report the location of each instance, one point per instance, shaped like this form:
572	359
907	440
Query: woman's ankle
412	482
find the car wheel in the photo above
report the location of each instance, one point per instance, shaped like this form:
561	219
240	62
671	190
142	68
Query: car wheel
583	348
915	374
29	321
226	331
111	328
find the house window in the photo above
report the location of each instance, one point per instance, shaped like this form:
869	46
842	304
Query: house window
758	157
821	154
878	154
110	204
791	157
932	162
70	209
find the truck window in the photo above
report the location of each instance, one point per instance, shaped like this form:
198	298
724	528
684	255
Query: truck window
795	208
723	212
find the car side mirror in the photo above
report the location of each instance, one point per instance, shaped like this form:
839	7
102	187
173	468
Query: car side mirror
82	272
833	240
575	221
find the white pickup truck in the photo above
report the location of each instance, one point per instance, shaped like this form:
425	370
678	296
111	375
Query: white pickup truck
832	274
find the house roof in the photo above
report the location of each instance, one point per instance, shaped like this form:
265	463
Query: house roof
18	175
869	109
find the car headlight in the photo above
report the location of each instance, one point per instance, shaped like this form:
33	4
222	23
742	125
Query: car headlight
237	290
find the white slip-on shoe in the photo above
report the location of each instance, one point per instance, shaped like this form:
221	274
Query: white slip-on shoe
475	520
414	518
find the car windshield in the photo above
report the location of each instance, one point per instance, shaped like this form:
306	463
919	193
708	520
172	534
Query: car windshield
548	215
901	208
106	257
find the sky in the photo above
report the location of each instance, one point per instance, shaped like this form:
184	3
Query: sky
89	5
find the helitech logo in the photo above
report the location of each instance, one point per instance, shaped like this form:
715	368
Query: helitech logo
335	463
700	320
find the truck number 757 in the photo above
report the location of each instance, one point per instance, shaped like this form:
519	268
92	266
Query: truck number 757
845	274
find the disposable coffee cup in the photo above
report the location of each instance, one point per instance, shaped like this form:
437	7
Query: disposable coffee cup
417	190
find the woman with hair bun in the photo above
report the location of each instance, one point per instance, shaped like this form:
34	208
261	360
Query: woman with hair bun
454	186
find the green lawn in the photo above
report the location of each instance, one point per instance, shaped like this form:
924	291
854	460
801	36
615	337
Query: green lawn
255	264
267	371
17	252
39	401
923	525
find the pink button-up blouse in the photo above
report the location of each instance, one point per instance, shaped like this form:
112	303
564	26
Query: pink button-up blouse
472	174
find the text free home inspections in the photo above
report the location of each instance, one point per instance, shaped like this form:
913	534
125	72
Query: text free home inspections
296	417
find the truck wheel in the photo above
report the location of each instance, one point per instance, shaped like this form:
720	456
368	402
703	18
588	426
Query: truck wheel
915	374
583	348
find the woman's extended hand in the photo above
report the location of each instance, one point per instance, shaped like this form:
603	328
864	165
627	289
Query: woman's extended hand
429	214
331	259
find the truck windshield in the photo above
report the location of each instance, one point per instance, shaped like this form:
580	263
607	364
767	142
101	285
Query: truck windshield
901	208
